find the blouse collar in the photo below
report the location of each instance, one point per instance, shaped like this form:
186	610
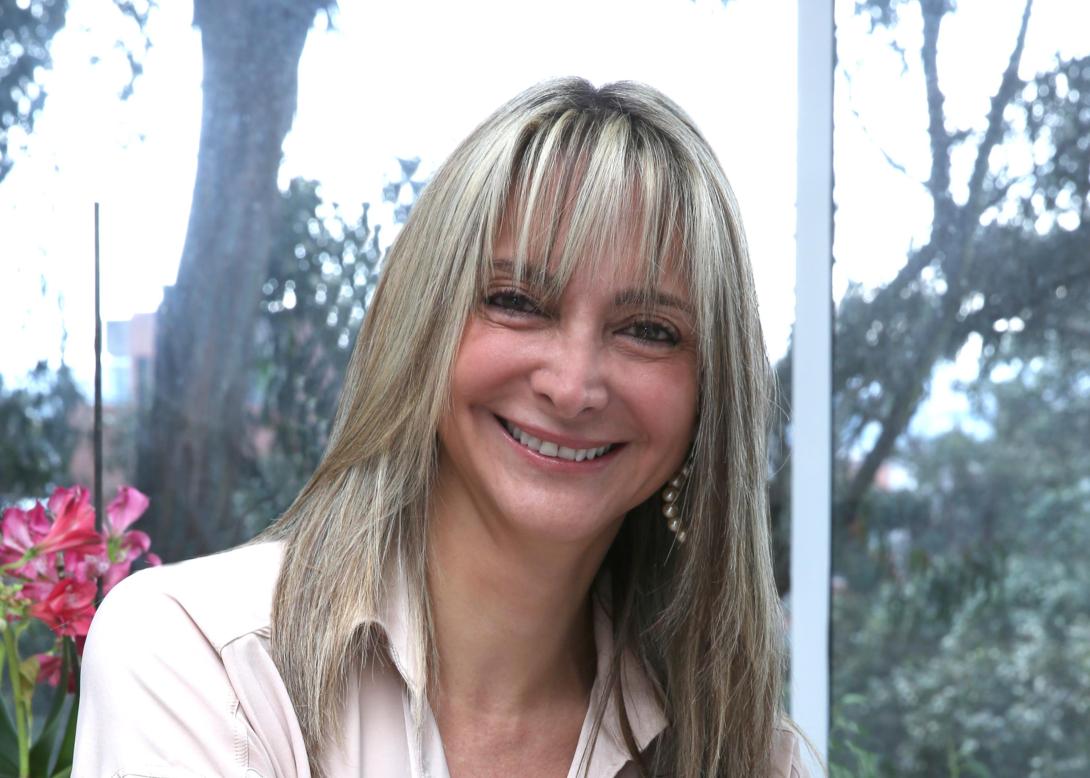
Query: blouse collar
645	714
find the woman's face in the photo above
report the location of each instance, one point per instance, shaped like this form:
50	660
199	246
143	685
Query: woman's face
564	416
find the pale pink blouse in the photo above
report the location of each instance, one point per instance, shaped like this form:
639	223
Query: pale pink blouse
178	682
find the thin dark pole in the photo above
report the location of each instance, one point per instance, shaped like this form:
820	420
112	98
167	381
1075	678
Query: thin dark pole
98	383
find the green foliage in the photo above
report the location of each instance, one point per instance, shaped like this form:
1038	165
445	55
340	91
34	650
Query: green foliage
993	682
962	635
37	433
322	273
50	751
962	599
857	762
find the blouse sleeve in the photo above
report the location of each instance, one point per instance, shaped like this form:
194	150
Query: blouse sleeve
155	699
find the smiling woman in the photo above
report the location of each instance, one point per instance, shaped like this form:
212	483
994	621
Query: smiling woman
537	542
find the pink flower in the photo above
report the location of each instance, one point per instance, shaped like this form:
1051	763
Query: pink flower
22	530
118	571
68	608
87	567
49	668
123	548
49	671
73	524
123	510
39	590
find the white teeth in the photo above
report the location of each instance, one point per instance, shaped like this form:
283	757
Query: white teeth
550	449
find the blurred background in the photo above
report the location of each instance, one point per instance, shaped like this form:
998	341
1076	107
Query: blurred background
255	159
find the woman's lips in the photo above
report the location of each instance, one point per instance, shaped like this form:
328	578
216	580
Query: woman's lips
557	447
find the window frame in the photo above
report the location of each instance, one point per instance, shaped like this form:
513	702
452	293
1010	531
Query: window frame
811	363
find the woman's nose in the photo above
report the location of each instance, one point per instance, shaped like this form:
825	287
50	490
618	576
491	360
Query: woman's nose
571	377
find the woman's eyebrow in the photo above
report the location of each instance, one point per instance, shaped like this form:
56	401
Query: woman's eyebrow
629	298
651	299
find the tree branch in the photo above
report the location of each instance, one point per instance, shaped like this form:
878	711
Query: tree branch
948	226
889	159
939	182
866	131
994	131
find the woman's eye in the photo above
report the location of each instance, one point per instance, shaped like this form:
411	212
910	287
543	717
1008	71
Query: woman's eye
512	301
652	332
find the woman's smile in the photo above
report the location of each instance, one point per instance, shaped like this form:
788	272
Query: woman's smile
556	449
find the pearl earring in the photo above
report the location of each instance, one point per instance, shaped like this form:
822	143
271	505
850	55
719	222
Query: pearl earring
670	494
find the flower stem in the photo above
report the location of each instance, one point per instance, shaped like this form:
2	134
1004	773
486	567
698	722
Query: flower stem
29	554
20	703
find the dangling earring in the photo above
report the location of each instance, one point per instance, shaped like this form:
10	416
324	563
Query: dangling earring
670	494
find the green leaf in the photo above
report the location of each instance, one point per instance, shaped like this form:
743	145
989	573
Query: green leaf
9	740
43	749
9	743
28	676
68	744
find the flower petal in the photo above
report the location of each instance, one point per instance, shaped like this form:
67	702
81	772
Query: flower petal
126	508
38	522
114	575
74	526
15	528
71	500
49	668
135	543
68	608
86	567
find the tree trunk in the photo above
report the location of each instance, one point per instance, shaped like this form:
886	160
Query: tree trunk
193	442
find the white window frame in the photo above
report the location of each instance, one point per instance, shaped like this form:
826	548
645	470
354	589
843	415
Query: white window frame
811	369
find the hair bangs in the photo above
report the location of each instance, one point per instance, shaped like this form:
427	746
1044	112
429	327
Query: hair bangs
593	187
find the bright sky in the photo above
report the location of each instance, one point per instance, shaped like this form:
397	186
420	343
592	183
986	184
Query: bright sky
881	212
392	80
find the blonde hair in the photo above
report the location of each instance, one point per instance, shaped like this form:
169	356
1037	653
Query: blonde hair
703	618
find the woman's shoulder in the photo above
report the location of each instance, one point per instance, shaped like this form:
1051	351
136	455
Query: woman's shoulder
221	596
172	668
787	761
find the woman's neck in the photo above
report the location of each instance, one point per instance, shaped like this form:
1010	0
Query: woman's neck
512	615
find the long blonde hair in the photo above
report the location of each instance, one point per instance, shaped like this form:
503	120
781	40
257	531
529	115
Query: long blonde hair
703	618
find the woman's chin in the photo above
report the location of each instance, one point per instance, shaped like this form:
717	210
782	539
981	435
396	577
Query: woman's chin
558	522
